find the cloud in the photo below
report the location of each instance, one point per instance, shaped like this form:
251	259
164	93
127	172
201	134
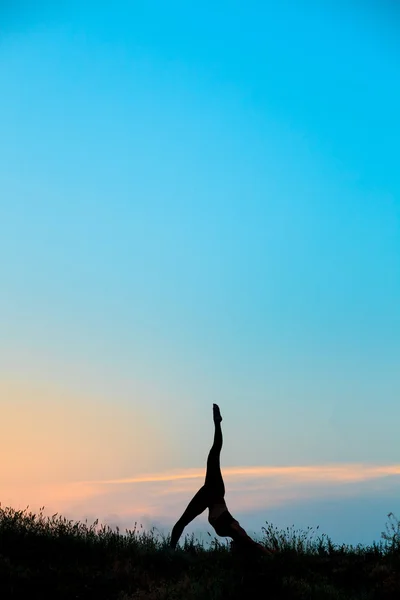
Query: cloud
332	473
162	496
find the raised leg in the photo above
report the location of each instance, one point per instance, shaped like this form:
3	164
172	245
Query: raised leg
196	506
214	482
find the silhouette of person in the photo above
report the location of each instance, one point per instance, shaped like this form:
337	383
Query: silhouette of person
211	496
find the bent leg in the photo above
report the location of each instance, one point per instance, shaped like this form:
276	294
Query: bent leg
196	506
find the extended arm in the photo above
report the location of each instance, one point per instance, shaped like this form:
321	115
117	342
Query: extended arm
242	538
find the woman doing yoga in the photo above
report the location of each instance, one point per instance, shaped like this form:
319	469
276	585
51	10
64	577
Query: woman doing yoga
211	496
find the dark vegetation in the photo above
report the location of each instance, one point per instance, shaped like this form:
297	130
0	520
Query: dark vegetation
52	557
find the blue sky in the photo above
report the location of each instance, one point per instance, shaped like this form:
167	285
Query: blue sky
199	203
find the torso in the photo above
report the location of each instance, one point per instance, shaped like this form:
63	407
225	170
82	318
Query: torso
216	510
221	519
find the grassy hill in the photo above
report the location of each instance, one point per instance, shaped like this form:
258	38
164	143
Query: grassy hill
52	557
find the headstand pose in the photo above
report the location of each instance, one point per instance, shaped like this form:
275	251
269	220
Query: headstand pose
211	496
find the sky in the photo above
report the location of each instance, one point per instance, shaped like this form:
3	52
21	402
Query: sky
200	202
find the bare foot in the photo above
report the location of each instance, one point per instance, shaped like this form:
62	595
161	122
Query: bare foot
216	414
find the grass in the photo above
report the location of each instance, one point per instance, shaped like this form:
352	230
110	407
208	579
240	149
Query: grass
53	557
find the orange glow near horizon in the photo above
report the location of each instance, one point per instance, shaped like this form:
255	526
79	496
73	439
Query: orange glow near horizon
164	495
60	457
49	435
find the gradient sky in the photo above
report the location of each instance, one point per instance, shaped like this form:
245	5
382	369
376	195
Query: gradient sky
201	203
